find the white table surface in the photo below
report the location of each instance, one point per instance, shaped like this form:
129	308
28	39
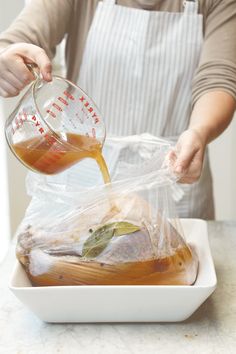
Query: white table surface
212	329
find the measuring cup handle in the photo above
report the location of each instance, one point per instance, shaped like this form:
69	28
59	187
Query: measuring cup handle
34	69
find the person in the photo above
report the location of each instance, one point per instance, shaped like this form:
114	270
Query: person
158	66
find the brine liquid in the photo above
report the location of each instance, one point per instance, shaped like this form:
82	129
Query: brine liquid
180	268
50	155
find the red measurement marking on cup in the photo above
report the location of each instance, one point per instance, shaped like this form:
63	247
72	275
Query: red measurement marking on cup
57	104
61	102
96	119
19	121
48	159
61	99
52	114
50	139
90	109
38	125
52	154
93	132
22	118
69	95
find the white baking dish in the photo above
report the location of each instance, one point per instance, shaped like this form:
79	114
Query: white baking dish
123	303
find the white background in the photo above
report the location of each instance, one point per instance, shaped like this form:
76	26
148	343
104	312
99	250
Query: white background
12	187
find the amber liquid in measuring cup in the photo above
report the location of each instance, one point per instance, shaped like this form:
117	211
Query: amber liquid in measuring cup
51	155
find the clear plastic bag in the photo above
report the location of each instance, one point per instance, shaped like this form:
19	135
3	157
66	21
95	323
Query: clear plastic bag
125	233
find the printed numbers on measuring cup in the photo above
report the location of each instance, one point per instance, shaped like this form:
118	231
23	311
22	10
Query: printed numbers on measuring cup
19	121
60	103
90	110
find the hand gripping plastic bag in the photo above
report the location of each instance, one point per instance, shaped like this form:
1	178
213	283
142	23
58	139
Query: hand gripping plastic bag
125	233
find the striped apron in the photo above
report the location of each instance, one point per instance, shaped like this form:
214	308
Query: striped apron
138	66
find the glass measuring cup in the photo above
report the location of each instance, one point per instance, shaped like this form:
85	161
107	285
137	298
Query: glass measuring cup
55	125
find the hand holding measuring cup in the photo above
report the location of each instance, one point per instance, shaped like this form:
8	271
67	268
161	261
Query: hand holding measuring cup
55	125
14	74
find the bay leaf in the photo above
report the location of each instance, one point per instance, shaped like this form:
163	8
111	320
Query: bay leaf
100	238
125	228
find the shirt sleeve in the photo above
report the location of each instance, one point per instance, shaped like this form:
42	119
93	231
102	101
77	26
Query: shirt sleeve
42	22
217	66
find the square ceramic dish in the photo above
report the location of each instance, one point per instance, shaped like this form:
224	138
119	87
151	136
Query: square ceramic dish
123	303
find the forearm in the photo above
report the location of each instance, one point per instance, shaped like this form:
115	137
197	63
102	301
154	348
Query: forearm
212	114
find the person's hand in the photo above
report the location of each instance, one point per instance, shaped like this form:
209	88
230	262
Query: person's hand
14	74
186	160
